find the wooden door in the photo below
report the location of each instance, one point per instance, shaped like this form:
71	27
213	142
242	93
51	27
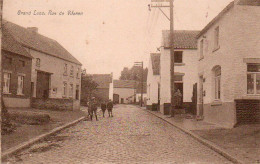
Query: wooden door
42	86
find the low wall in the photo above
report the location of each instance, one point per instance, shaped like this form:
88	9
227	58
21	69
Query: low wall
11	102
55	104
247	111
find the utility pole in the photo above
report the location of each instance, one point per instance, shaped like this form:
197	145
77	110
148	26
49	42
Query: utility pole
138	64
172	57
171	45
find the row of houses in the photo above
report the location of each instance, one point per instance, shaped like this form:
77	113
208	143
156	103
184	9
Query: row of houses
217	69
38	71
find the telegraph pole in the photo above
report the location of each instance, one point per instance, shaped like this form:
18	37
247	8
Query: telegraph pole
172	57
171	45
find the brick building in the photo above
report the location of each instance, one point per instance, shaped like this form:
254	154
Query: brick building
55	73
185	68
17	64
229	65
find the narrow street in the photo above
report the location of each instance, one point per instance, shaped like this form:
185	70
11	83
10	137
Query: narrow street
131	136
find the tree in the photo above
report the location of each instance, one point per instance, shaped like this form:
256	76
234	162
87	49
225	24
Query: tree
87	88
135	73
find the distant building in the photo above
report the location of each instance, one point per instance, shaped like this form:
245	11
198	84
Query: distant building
185	68
104	88
17	64
124	91
153	80
139	91
229	65
55	74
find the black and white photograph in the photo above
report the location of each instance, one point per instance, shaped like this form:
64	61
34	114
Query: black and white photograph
130	81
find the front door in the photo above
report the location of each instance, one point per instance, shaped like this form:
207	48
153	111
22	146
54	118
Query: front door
42	86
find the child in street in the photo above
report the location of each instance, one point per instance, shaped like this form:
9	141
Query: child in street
103	107
110	108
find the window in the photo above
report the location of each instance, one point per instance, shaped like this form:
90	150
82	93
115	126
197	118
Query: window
178	56
71	90
22	63
253	79
64	89
65	69
71	71
7	80
38	62
77	92
217	82
216	38
78	73
20	85
201	48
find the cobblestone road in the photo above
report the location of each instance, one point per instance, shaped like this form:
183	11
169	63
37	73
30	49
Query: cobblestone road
131	136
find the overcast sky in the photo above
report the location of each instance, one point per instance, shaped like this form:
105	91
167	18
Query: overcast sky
111	34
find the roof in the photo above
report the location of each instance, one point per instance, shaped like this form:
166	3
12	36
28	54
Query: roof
38	42
222	13
183	39
11	45
249	2
155	58
131	84
103	80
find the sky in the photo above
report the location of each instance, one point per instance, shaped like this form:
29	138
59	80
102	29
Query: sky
110	34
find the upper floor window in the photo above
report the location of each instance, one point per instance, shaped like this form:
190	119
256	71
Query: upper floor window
201	48
217	82
71	71
65	69
7	80
38	62
216	38
253	79
78	73
22	63
20	85
178	56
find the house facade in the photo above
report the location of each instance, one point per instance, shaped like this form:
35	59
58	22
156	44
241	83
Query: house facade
124	91
185	68
17	63
55	75
153	81
229	66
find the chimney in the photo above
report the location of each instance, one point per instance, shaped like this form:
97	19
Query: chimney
33	29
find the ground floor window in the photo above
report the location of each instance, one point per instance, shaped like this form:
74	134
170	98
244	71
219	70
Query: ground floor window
7	80
64	89
217	82
71	90
20	85
77	92
253	79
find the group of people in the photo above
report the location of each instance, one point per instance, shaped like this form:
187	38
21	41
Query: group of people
93	105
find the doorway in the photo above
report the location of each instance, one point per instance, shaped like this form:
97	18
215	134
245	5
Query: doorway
42	85
179	86
201	95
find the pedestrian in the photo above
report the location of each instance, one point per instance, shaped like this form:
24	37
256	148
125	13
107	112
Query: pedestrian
110	108
93	108
103	107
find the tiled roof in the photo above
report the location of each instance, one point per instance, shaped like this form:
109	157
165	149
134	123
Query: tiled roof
249	2
183	39
124	84
38	42
11	45
155	58
103	80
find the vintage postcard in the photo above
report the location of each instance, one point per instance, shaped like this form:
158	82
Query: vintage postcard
130	81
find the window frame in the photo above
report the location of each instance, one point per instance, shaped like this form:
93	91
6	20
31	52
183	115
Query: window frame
71	91
72	71
65	69
65	86
217	83
216	38
176	55
254	80
38	62
20	91
9	75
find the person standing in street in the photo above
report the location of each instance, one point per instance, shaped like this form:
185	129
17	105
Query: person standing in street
110	108
93	108
103	107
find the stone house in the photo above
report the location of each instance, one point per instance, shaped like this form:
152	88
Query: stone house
124	91
229	65
153	81
17	64
185	68
55	75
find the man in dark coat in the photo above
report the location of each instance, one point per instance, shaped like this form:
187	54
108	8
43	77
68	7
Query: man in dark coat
93	108
103	107
110	108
